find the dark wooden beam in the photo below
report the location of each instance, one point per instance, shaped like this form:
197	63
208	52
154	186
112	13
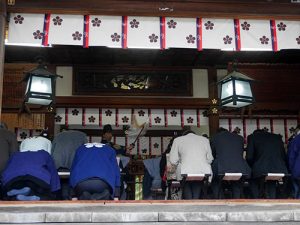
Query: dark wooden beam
134	102
2	37
257	9
213	94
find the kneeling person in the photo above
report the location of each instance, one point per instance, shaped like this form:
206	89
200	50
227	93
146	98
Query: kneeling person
95	174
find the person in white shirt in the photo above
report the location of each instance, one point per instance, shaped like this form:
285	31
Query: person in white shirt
36	143
194	154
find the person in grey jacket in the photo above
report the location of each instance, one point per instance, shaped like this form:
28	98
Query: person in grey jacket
8	145
64	147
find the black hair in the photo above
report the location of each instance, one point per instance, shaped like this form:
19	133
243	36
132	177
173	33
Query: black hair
107	129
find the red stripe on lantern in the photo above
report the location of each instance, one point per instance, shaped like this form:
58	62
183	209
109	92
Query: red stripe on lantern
117	117
198	118
150	146
100	117
166	117
124	31
66	117
274	35
182	117
229	125
162	33
199	34
150	117
286	134
83	117
237	30
46	29
86	31
271	125
244	131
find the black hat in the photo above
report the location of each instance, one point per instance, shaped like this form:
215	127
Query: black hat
107	129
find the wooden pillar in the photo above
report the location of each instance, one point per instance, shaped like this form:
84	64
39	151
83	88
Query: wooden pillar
2	37
213	94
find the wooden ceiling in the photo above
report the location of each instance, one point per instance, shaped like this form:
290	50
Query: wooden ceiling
270	9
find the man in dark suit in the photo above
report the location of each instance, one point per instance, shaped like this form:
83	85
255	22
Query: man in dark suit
265	154
228	151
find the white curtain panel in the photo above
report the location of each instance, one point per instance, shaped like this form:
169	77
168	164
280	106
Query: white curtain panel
265	124
120	141
105	31
189	117
288	34
143	32
157	117
91	116
250	126
278	127
108	116
141	116
173	117
144	146
26	28
66	29
156	146
124	116
204	121
181	32
255	35
22	134
224	123
60	116
165	143
75	116
218	34
237	123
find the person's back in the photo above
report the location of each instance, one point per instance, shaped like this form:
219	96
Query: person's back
64	147
266	153
294	157
228	151
193	152
8	145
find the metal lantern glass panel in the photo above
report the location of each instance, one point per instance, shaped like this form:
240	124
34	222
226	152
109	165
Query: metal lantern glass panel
236	90
40	88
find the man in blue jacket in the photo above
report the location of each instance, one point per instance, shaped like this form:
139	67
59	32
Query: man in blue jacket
31	176
294	161
95	174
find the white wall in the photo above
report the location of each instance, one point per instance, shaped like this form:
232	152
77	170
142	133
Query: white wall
64	85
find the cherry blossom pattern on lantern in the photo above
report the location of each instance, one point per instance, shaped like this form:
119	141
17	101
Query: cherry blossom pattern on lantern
58	119
245	25
227	40
190	120
108	112
38	34
57	21
281	26
153	38
75	112
172	24
18	19
173	113
264	40
157	119
298	40
209	25
134	23
155	145
144	150
190	39
141	113
96	22
125	119
77	36
115	37
23	135
92	119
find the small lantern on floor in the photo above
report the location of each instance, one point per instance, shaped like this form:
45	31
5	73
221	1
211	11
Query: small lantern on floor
235	90
40	86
